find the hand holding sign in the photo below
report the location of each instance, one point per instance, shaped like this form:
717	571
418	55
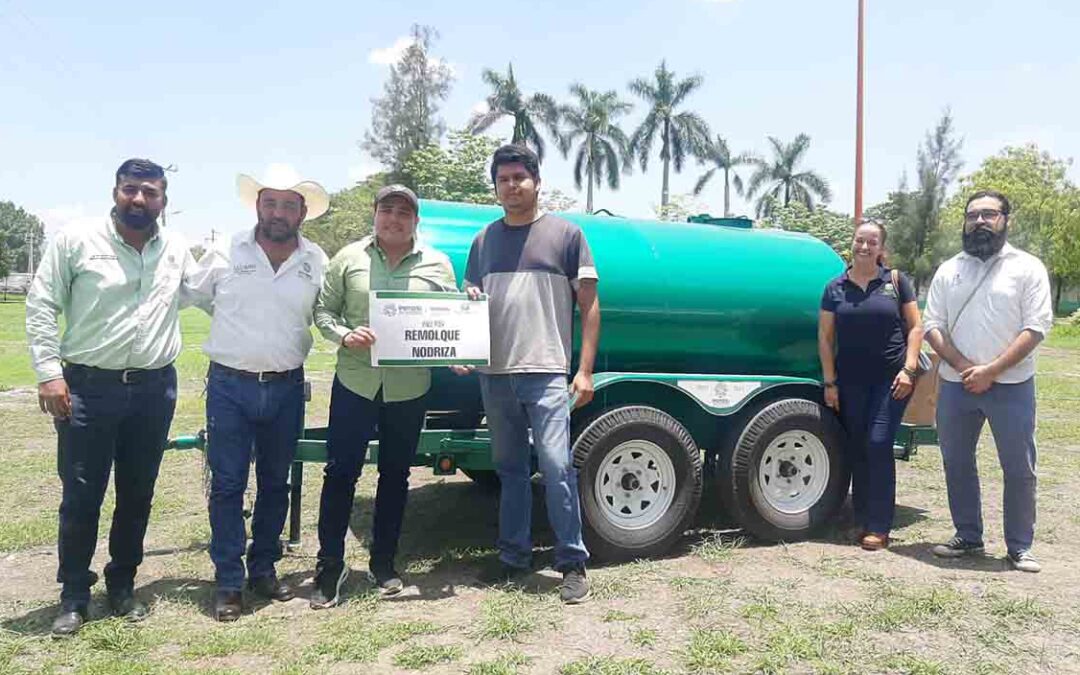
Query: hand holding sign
359	338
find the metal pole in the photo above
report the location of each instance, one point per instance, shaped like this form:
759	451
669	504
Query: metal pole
859	121
30	261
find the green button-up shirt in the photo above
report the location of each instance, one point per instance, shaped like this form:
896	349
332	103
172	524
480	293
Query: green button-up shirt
356	270
121	305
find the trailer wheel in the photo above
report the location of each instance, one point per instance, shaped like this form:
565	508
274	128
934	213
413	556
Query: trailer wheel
639	473
786	476
485	479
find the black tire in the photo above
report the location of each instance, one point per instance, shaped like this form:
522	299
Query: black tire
485	479
741	483
606	539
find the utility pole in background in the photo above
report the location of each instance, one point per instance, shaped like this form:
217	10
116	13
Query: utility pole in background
30	246
859	119
172	168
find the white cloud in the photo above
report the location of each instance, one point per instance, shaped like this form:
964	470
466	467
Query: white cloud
479	108
389	55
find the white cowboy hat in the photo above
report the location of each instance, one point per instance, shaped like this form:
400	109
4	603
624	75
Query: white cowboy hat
284	177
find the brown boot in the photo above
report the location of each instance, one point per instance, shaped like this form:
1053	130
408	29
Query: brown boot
874	541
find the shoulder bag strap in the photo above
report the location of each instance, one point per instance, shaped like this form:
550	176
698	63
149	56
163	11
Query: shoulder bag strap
975	290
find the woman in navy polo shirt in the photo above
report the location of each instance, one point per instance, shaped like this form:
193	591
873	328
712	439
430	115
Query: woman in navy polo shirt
869	336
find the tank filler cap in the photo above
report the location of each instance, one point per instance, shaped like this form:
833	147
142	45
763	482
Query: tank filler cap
719	394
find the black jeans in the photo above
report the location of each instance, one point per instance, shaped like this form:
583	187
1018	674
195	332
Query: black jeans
354	421
111	423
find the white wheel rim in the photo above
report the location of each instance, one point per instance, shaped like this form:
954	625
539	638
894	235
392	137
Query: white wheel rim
635	484
793	472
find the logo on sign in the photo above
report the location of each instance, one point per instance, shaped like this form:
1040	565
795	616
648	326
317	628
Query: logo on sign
389	310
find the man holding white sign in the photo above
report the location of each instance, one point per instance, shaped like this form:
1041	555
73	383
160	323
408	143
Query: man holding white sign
534	266
369	401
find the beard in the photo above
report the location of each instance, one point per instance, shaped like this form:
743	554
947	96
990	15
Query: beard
278	230
137	219
984	242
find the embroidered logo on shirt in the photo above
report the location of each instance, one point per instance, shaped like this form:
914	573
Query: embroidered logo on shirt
888	290
244	268
305	270
103	256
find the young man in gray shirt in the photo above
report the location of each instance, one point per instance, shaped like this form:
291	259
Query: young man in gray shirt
533	267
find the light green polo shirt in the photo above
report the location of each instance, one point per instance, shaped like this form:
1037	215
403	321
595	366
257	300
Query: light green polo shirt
121	305
342	306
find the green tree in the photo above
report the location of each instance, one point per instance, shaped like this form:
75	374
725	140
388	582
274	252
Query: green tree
458	173
682	134
914	218
557	200
781	181
719	155
679	208
20	230
349	217
528	112
604	149
835	229
406	117
1045	218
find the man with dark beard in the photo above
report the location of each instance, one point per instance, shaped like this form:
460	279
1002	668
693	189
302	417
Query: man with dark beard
261	293
108	381
987	310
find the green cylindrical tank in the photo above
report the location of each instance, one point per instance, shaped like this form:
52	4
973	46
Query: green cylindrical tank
684	297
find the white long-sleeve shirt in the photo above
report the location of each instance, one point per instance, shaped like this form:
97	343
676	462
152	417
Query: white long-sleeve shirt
1016	297
261	318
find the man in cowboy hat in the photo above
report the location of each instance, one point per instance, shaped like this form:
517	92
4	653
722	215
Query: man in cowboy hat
263	291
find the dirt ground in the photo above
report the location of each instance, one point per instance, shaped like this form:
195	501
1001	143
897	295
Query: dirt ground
719	602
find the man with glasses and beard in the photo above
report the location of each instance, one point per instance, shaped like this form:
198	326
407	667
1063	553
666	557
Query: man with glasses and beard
261	293
987	310
108	380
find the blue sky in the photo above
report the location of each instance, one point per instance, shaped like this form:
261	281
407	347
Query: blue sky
218	88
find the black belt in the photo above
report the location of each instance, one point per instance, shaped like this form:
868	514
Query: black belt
125	376
261	376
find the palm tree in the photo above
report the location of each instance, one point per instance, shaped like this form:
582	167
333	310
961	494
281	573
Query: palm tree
782	180
681	133
506	100
720	155
604	148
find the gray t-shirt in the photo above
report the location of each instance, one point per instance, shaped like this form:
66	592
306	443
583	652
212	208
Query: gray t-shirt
530	274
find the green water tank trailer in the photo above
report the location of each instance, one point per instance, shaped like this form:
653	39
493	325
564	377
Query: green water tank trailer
685	297
707	366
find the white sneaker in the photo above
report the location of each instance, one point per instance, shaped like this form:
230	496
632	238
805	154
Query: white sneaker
1024	562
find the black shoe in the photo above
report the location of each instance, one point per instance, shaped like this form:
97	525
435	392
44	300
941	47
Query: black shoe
122	602
228	605
271	588
329	578
385	578
68	621
574	588
496	573
958	548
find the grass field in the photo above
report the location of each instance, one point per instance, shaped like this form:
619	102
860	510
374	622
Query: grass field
720	602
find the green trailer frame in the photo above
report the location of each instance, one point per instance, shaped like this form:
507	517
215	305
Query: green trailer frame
447	450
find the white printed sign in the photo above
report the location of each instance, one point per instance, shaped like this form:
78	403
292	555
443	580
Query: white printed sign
415	328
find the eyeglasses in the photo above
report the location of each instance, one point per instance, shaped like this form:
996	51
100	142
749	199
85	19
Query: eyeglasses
988	215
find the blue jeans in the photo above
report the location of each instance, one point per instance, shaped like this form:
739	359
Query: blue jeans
243	416
513	404
871	417
112	424
1010	408
354	422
